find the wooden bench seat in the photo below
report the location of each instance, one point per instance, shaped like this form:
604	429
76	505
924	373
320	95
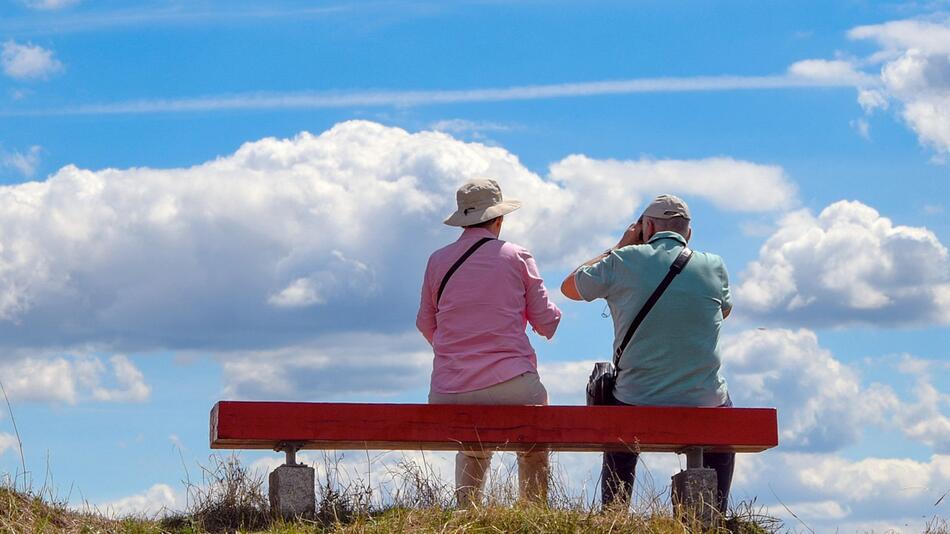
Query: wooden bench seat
319	425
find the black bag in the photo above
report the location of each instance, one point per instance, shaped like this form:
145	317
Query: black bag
600	385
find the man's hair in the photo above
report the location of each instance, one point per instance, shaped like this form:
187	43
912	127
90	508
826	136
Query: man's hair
485	224
680	225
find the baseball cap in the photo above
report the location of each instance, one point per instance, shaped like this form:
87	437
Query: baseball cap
667	207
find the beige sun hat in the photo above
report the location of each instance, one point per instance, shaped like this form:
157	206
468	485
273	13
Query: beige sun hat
478	201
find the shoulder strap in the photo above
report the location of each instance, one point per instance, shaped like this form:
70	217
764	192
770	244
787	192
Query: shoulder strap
458	263
676	268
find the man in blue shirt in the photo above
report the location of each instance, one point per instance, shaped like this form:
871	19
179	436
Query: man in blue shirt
673	358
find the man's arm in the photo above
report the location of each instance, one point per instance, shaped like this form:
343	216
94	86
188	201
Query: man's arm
569	285
632	236
726	293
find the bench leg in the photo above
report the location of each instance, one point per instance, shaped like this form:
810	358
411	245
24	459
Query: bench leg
694	492
292	488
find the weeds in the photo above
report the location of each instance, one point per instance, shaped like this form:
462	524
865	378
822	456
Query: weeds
230	497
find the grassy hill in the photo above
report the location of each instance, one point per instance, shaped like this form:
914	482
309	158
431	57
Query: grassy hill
230	499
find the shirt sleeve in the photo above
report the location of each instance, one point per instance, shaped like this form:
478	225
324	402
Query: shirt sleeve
726	294
425	318
596	280
543	315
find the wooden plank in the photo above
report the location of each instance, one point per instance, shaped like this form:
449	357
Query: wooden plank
340	426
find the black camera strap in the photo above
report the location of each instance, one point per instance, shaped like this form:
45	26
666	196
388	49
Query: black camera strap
676	268
458	263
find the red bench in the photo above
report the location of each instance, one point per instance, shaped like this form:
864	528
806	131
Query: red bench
292	426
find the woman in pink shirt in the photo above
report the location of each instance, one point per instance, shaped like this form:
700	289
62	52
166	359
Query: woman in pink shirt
478	296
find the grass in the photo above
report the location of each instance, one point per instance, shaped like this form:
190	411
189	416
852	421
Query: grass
229	498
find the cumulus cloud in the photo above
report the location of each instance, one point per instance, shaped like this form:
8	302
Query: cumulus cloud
915	70
28	61
873	479
604	194
815	393
363	365
924	419
848	265
155	501
73	379
288	239
7	442
895	492
565	381
824	404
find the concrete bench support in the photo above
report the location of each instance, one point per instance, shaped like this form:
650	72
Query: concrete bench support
291	487
693	491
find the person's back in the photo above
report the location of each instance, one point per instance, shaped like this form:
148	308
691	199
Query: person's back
672	358
478	295
480	340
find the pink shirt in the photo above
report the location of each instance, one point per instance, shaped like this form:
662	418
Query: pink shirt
477	331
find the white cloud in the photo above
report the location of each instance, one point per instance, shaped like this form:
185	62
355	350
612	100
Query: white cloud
8	442
288	239
130	381
566	381
871	478
823	404
155	501
915	71
342	276
361	365
28	61
900	35
456	126
833	71
872	99
24	163
822	510
862	127
848	265
73	379
607	194
814	392
317	100
924	420
50	5
898	492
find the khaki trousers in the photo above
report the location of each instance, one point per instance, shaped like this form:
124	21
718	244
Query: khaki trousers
471	466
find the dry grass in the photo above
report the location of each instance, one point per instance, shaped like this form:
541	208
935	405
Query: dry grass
23	512
231	499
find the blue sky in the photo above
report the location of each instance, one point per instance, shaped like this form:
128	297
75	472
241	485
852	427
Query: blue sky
205	200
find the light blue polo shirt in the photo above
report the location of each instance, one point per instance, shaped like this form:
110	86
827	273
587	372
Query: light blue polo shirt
673	358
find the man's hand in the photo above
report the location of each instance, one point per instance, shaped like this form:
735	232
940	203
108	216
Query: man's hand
633	235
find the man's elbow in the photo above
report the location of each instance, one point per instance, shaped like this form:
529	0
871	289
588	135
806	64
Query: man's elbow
569	288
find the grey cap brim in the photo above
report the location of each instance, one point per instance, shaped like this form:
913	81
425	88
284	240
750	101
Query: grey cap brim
479	216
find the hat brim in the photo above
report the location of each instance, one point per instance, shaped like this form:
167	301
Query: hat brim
479	216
